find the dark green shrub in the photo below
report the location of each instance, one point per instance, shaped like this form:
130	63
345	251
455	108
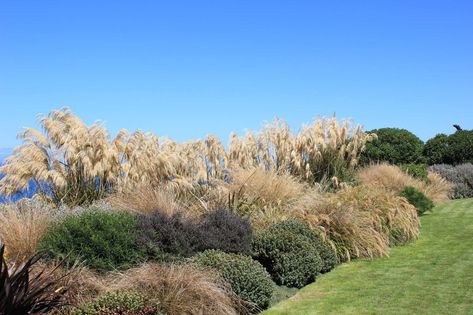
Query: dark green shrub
167	237
225	231
23	293
460	148
418	171
417	199
118	303
247	278
326	252
435	149
104	240
396	146
290	258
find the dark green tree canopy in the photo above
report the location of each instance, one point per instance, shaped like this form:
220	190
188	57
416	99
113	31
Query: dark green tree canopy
396	146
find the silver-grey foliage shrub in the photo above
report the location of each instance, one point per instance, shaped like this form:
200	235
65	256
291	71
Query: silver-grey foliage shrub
461	176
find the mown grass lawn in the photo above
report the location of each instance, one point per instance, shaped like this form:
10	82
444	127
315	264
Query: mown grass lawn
434	275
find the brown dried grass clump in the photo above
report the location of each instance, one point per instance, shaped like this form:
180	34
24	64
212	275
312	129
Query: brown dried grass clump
393	179
22	225
145	199
387	176
439	189
179	289
361	221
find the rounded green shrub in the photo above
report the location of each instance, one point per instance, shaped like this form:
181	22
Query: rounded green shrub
247	278
326	252
417	199
435	149
396	146
103	240
418	171
460	148
119	303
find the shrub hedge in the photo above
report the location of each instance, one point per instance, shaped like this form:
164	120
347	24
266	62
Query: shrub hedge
104	240
247	278
461	176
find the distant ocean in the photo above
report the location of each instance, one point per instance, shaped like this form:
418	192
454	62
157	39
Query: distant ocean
3	154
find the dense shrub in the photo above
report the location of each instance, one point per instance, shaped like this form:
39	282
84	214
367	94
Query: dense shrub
435	149
461	176
460	147
326	252
118	303
454	149
225	231
248	278
418	171
396	146
290	258
417	199
104	240
166	236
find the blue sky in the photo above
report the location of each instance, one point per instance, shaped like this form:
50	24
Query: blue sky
188	68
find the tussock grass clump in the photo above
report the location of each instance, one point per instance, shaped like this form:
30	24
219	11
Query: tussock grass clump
179	289
22	225
393	179
361	221
144	199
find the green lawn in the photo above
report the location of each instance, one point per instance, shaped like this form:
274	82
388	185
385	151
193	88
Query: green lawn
434	275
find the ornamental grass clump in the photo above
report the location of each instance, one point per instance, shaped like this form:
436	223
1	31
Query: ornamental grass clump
178	289
360	221
22	225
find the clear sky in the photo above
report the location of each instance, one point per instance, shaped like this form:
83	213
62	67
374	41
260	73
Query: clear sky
188	68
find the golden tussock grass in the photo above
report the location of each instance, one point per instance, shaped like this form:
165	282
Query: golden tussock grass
145	199
22	225
393	179
439	190
360	221
180	289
